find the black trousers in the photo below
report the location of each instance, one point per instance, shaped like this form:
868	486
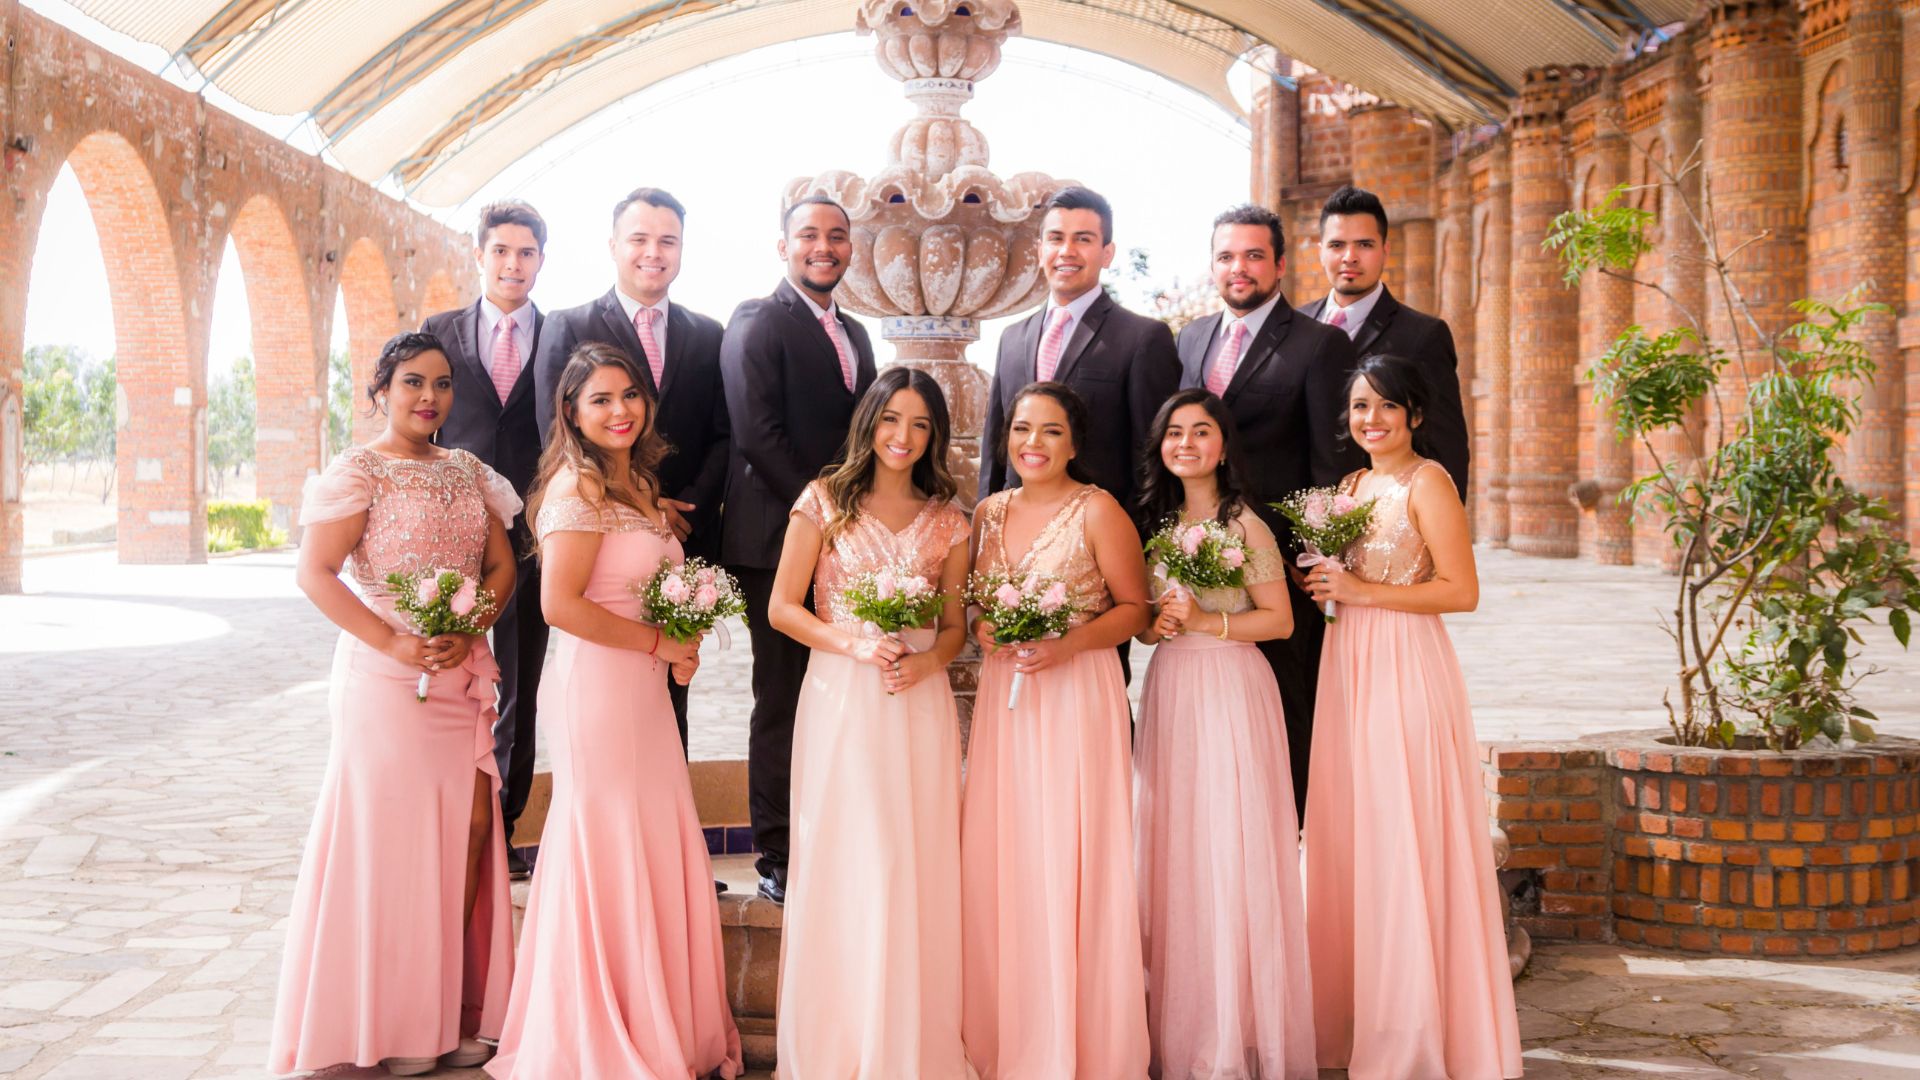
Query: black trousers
779	669
520	648
1296	667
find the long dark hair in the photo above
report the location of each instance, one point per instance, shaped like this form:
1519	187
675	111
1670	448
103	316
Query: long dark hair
1161	492
851	478
1400	381
569	449
1072	404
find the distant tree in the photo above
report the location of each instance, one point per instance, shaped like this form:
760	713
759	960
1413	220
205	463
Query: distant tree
230	421
339	402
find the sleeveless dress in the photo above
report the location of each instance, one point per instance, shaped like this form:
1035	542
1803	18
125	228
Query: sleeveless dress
378	964
870	951
1051	926
1410	973
621	970
1217	852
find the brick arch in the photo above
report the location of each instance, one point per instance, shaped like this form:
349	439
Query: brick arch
373	316
290	377
1829	207
440	295
1585	194
161	398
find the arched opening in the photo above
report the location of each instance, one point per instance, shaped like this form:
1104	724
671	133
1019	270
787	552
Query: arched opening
232	376
366	286
290	434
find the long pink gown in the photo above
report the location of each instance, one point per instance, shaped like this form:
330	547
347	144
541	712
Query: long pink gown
378	963
1410	974
1051	926
621	971
1217	852
870	950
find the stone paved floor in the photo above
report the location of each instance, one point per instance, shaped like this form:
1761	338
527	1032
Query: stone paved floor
162	732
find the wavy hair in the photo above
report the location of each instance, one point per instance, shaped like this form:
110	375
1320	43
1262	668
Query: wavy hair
567	448
1161	492
850	480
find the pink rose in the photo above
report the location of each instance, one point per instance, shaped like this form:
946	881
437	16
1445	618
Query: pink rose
914	587
1343	504
884	586
1007	596
705	597
674	589
428	590
1054	598
1032	582
1191	540
704	576
464	600
1233	557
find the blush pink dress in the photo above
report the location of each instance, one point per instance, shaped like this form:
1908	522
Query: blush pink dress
870	950
1050	923
378	964
1410	976
1217	851
621	972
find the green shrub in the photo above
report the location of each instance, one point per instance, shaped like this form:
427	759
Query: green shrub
233	525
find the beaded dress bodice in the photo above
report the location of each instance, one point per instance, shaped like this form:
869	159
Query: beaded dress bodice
866	545
1264	563
421	515
630	553
1059	549
1391	551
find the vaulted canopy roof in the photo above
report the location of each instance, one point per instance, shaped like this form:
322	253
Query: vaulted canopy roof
443	94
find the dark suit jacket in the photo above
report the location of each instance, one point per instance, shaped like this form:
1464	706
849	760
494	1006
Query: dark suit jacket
506	437
693	409
1288	398
790	411
1123	365
1394	328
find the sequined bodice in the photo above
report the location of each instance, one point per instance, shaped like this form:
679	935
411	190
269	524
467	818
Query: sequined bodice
421	515
631	550
1391	552
865	545
1264	563
1060	549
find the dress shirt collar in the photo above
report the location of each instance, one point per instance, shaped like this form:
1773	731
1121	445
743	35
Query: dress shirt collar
1357	311
831	311
632	307
1254	320
1077	307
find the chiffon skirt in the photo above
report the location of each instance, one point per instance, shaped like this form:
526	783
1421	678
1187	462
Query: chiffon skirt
1217	854
1053	986
870	951
378	963
1410	972
621	972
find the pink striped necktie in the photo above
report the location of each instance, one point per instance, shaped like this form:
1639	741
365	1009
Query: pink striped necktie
1052	345
1222	372
506	358
828	323
1338	320
643	325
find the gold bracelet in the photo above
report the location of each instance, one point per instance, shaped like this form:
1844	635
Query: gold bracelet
1225	623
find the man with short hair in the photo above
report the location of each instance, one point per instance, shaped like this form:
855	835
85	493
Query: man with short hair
795	366
1283	378
1353	252
489	344
677	348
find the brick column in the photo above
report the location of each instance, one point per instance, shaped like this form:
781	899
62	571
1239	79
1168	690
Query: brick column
290	425
1910	322
1393	158
1276	134
1877	246
1492	389
1455	252
1681	274
16	254
1606	308
1544	330
372	318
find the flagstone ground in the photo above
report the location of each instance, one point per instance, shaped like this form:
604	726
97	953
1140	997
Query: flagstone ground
162	731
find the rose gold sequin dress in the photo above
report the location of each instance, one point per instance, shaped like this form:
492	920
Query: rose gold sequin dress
378	964
870	952
1051	927
621	973
1218	852
1410	973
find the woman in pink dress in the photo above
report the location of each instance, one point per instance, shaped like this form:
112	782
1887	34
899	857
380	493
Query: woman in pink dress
1410	977
400	940
621	972
1216	842
1050	924
869	955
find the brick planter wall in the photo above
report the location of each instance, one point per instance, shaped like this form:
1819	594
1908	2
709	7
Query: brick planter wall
1733	852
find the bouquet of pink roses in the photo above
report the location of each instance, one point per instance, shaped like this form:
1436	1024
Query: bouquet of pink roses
1197	555
1325	520
1029	608
437	602
689	598
892	599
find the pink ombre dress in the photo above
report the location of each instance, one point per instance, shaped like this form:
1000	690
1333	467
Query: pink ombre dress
1217	850
378	964
1050	923
1410	977
621	972
870	952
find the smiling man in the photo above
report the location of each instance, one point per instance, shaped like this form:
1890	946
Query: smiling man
795	365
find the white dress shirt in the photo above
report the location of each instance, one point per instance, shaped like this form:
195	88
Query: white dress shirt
632	307
490	316
1357	311
832	313
1077	307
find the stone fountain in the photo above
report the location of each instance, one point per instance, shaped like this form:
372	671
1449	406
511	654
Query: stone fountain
939	242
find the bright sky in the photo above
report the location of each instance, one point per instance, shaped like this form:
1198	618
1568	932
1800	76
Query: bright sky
1168	159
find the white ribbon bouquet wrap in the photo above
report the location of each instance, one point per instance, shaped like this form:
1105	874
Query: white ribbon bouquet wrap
436	602
1326	521
1029	607
686	599
1197	555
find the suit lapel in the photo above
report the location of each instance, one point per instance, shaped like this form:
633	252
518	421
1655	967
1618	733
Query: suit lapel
1193	366
613	316
1261	350
466	337
812	332
1083	336
679	328
1377	320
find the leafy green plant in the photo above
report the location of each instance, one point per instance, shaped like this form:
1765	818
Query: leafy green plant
235	525
1782	561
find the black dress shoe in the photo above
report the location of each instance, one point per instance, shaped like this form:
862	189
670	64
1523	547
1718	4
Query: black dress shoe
519	866
773	889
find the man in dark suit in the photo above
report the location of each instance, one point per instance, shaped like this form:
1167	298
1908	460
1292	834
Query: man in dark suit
1353	252
488	345
795	365
679	351
1283	378
1121	363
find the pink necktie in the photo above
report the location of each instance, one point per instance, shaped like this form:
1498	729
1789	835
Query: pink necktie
1229	358
506	358
656	363
1051	345
1338	320
840	350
